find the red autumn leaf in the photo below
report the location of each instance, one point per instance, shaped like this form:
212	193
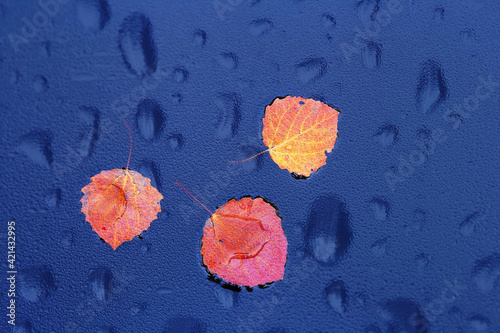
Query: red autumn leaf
299	132
120	204
244	243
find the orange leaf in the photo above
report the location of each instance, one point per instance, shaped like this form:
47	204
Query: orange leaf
244	243
120	204
298	133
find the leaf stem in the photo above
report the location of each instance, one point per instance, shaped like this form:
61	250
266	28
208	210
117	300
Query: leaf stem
192	196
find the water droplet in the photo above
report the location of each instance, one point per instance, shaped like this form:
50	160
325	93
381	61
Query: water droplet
102	283
180	74
387	135
380	208
90	134
15	77
367	10
479	323
311	69
336	295
227	60
468	37
138	308
176	141
151	171
379	247
438	14
432	89
471	223
24	326
93	14
422	262
40	84
328	21
328	234
200	37
225	296
248	151
67	239
371	55
53	197
150	119
486	273
260	27
36	283
176	98
418	221
402	315
137	45
229	114
36	145
145	247
45	49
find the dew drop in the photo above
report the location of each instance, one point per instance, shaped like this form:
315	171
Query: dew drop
367	10
36	283
149	119
37	146
479	323
380	208
260	27
468	37
151	171
227	60
371	55
311	69
90	134
328	234
471	223
328	21
40	84
378	248
227	298
228	106
176	141
180	74
248	151
486	273
402	315
93	14
422	261
53	198
438	14
432	89
200	37
102	283
336	296
176	98
387	135
137	45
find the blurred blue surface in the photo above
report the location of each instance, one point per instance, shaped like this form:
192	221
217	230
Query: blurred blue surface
398	232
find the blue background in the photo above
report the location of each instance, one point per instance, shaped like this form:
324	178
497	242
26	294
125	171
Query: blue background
398	232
